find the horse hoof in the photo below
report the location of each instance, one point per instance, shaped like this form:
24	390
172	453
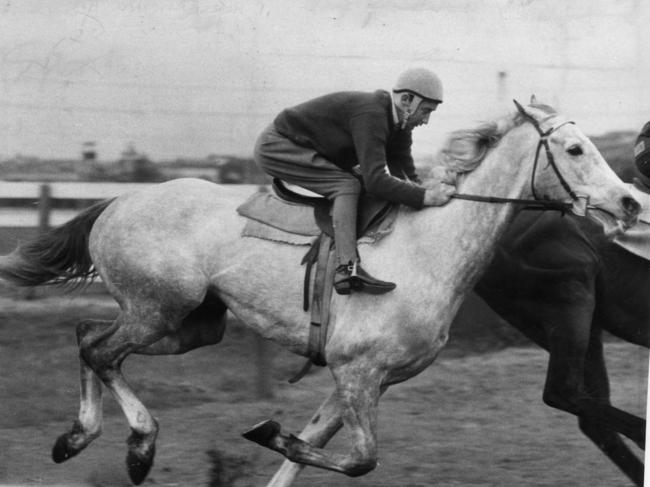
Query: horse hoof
139	466
262	433
142	449
61	451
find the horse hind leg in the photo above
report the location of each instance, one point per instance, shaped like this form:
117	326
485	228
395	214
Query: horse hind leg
105	354
204	325
88	425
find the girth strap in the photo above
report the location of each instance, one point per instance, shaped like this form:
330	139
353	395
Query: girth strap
321	254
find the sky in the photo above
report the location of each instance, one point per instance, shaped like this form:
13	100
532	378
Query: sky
190	78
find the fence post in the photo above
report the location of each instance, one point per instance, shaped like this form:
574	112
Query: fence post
263	379
44	207
44	212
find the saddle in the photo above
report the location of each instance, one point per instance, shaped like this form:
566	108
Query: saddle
286	216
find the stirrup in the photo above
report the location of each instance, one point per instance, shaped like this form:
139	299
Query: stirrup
344	286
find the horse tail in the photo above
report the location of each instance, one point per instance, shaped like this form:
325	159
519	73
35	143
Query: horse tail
57	256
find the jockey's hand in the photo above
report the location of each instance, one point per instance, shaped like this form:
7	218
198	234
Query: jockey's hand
438	193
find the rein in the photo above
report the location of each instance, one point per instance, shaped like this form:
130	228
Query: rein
579	205
530	204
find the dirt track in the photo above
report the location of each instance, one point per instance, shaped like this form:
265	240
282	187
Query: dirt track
469	420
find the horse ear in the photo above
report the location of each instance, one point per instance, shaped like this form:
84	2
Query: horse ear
533	100
520	109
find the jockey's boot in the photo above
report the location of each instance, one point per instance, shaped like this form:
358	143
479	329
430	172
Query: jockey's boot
349	276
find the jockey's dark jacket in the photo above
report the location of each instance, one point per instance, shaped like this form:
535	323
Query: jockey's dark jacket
352	127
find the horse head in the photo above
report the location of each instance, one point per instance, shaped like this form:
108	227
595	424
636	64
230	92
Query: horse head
565	155
566	169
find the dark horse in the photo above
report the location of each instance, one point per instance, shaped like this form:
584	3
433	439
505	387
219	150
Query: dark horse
561	282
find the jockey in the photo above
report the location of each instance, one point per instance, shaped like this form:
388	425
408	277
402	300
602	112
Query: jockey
642	156
342	143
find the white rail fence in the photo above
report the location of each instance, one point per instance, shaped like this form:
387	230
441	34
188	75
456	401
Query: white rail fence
41	215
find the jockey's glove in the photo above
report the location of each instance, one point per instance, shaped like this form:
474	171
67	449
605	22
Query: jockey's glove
437	193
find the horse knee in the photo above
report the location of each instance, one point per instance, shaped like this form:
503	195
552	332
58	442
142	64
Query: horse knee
557	399
360	464
563	391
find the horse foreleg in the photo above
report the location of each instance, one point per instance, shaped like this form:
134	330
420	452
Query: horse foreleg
569	333
88	426
357	396
606	439
325	423
321	428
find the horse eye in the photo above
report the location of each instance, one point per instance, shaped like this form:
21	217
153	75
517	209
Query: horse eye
575	150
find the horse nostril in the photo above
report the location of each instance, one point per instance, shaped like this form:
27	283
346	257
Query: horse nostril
631	205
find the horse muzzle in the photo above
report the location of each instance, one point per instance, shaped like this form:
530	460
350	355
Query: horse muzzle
614	221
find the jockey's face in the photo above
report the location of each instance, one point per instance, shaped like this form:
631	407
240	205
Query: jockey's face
421	114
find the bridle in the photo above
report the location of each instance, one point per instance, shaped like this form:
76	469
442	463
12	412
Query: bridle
579	204
543	141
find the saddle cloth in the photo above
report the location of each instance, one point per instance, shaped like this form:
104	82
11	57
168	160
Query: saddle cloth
637	239
272	218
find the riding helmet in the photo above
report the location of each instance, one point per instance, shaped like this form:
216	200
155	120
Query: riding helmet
642	151
420	82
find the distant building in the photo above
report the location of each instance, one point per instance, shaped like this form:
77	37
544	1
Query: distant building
132	166
135	166
88	151
26	168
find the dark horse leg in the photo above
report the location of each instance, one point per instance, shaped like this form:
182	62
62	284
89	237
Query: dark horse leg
568	327
205	325
548	280
597	386
576	378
